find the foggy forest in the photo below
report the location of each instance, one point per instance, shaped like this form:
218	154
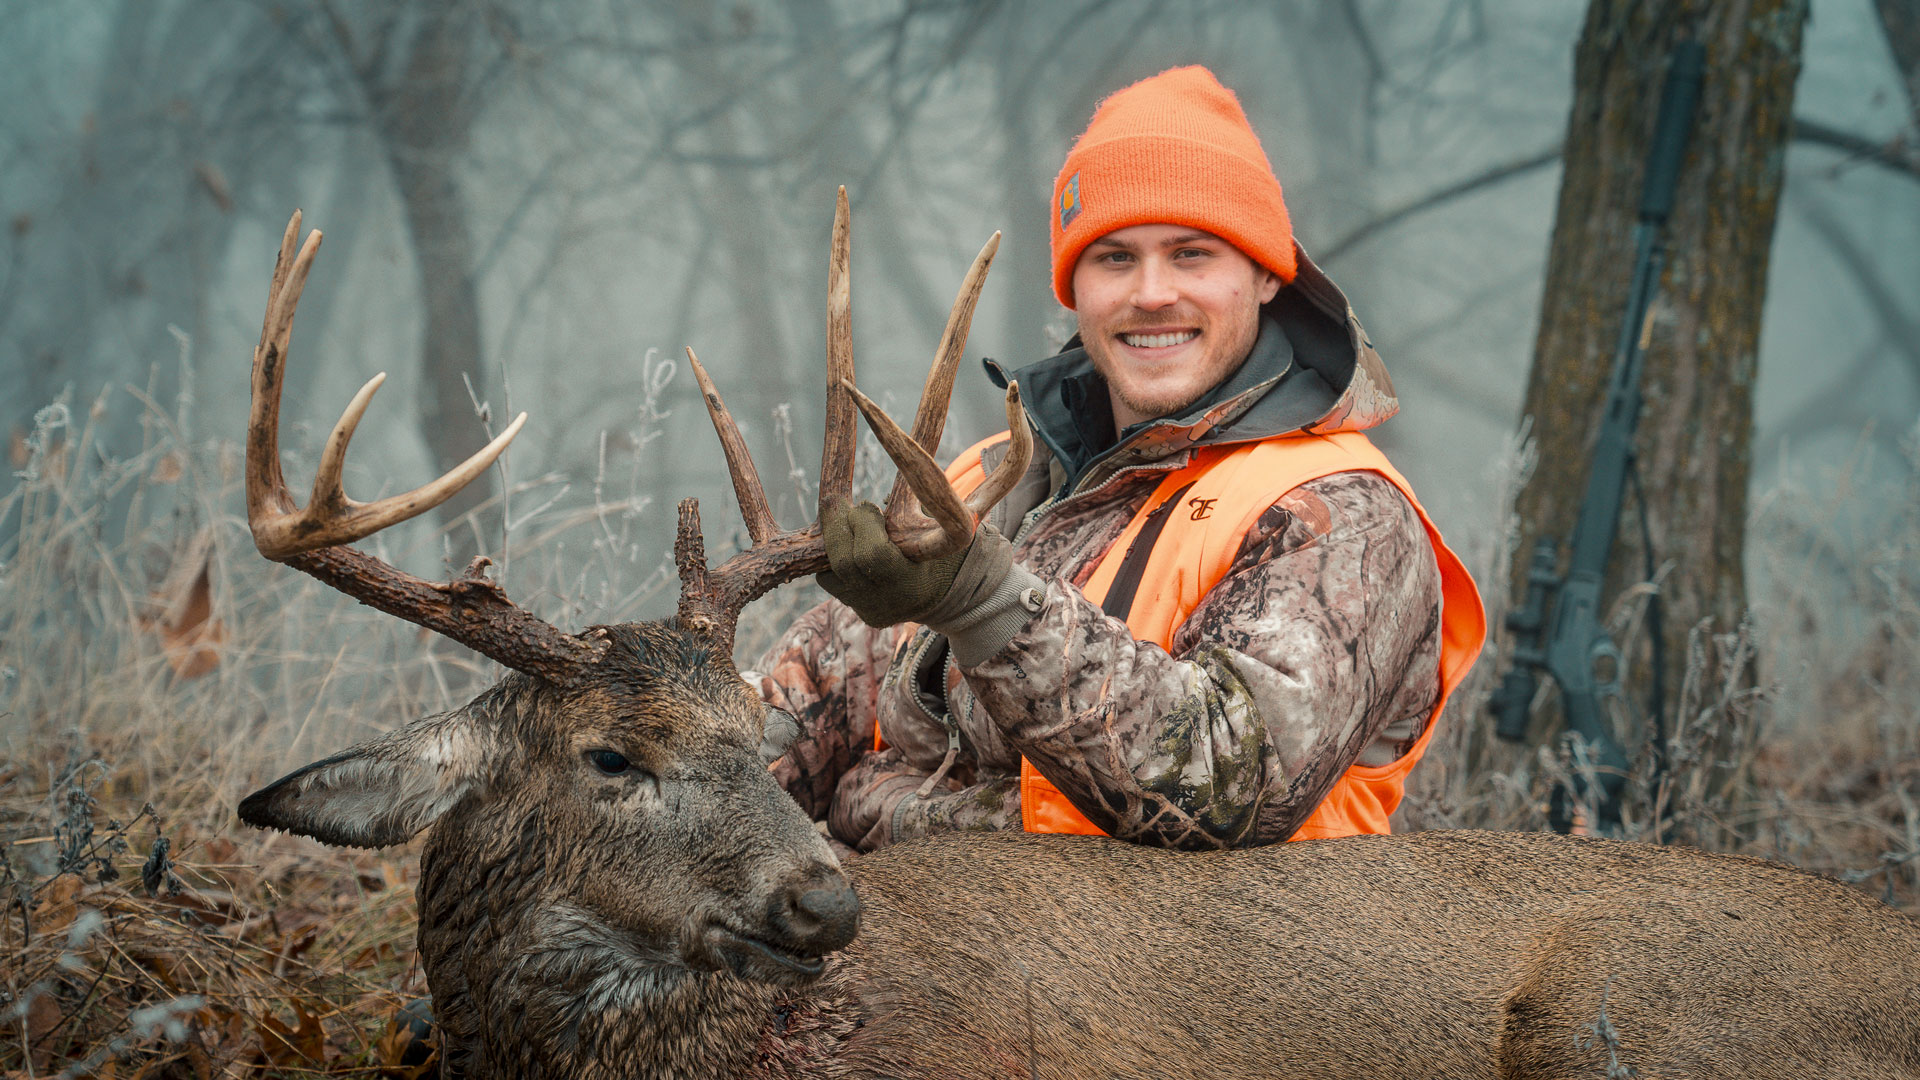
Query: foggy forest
539	207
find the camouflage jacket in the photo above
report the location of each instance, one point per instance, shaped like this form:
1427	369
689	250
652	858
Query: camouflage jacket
1318	650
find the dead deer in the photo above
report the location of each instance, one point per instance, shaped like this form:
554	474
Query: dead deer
615	886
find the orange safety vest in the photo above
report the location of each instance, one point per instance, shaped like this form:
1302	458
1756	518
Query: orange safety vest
1223	491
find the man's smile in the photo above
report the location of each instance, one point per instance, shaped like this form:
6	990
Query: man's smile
1160	339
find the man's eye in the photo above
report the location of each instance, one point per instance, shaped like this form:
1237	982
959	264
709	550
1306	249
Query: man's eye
608	762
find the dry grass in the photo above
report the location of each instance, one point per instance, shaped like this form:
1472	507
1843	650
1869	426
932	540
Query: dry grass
156	669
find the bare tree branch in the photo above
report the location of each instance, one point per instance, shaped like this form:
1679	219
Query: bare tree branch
1497	174
1894	154
1901	328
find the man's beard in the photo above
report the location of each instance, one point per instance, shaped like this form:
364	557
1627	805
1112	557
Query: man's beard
1099	350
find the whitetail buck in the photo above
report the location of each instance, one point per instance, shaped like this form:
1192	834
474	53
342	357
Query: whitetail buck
616	887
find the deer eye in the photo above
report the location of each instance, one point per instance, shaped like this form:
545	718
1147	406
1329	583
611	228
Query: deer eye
608	762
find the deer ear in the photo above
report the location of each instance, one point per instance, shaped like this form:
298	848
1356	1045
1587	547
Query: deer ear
380	792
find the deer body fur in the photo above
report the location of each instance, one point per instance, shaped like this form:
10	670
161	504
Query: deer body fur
574	924
1430	955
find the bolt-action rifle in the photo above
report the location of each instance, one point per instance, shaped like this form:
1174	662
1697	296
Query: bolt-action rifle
1575	649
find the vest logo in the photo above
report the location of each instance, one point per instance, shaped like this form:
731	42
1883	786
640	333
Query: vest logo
1202	508
1070	201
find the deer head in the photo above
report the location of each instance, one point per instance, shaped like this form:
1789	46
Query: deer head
610	796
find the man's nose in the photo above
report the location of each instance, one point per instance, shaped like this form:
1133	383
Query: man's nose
1153	286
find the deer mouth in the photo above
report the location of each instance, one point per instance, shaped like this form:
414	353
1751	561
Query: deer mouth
761	960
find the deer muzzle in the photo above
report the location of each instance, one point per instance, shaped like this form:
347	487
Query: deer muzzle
809	918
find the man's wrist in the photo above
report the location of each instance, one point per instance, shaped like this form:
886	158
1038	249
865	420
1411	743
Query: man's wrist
986	626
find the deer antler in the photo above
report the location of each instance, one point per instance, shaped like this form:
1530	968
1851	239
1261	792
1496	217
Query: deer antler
713	598
471	609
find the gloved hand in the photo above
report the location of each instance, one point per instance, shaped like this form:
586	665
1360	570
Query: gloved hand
873	577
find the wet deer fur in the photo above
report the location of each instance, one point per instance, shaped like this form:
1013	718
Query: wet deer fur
667	911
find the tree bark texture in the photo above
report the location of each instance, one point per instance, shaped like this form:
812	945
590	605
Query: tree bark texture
1692	444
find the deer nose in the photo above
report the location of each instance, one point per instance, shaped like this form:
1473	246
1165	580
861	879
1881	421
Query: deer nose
819	913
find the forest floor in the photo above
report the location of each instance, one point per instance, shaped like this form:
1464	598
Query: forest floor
156	670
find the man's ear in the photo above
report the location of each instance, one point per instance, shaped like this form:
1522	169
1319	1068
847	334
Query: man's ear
1269	283
382	791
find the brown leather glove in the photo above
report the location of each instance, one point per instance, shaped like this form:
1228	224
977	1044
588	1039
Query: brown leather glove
873	577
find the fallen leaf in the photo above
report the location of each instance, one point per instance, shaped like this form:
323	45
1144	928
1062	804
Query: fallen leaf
59	905
224	1031
407	1050
283	1045
310	1038
189	634
43	1014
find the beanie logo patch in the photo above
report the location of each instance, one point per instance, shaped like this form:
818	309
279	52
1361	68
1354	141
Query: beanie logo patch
1070	201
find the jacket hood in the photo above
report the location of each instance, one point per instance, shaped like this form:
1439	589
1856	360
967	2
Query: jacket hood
1312	371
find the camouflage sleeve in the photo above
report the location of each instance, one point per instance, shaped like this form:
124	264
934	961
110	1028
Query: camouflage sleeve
993	805
825	671
1324	633
879	803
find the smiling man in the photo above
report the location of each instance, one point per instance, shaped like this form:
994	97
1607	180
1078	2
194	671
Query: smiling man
1211	614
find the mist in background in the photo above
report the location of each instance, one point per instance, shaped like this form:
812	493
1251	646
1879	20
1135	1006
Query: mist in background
536	206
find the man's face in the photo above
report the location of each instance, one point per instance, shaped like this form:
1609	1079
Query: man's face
1166	312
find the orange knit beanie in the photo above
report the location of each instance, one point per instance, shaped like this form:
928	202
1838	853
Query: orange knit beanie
1175	149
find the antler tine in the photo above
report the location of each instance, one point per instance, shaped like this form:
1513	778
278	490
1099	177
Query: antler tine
697	599
930	420
333	457
332	518
1013	466
711	600
266	486
953	518
470	609
926	479
746	478
836	456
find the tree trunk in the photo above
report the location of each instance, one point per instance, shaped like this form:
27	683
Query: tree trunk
423	120
1026	195
1692	445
